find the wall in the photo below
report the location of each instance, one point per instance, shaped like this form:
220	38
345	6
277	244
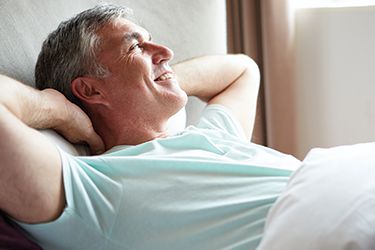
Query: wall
335	77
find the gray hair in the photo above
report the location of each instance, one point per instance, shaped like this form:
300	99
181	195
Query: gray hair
70	51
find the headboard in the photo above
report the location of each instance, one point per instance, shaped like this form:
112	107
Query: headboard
189	27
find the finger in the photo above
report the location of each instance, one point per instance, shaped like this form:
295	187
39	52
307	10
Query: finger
96	144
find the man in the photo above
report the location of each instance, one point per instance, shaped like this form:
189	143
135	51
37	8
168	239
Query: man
205	188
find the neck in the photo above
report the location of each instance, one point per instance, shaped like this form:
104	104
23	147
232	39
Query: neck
128	132
129	136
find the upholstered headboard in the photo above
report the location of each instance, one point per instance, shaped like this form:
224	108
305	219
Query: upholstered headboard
189	27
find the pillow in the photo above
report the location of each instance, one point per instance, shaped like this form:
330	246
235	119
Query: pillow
176	124
11	237
329	203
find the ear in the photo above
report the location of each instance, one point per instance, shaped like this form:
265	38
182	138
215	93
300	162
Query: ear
87	89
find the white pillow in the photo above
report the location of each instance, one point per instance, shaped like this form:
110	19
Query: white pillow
176	124
329	203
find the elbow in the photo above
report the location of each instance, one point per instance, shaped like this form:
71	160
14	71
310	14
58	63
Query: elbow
249	66
251	71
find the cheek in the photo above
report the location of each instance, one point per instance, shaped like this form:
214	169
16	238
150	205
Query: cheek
141	63
136	71
134	76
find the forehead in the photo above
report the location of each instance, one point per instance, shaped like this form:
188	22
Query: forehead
122	30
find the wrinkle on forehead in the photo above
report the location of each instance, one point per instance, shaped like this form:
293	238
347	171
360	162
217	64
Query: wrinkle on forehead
128	30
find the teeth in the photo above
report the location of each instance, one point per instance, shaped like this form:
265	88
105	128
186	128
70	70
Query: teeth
165	77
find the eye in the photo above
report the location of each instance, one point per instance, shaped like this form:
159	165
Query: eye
136	46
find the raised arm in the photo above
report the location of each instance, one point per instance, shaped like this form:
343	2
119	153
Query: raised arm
31	188
229	80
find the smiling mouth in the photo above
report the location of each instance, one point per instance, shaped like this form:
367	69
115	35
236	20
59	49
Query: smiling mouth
164	77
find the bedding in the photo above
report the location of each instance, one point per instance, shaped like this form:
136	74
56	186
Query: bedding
329	203
12	237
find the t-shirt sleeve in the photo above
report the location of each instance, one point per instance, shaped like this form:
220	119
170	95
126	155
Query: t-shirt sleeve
218	117
86	207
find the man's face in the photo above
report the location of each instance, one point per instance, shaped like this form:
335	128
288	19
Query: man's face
141	82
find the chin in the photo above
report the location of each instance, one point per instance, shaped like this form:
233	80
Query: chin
178	102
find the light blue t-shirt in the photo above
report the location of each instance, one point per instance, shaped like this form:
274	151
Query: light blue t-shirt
205	188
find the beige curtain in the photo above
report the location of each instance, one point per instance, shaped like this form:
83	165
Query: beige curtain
244	36
263	29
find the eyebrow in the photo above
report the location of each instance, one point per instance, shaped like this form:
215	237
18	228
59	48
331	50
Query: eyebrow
128	37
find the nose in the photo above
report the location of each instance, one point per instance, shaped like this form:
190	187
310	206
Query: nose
160	53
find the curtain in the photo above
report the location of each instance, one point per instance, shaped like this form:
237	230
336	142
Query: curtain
263	29
244	36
